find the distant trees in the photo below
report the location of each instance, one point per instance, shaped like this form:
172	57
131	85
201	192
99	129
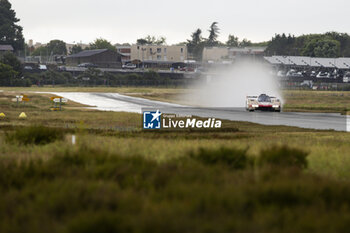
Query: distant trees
196	44
322	48
330	44
245	43
54	47
232	41
102	44
10	31
282	44
57	47
41	51
75	49
149	40
141	41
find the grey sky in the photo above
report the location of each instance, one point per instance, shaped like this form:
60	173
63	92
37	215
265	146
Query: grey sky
125	21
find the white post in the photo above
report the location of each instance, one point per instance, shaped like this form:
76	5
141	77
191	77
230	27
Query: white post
73	139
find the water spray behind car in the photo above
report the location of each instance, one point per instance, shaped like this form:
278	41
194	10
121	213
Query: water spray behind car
229	86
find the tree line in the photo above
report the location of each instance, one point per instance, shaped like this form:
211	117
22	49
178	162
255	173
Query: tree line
330	44
197	42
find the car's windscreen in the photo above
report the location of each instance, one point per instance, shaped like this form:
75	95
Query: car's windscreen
264	98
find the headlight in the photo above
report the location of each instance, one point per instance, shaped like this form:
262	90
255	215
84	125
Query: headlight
255	105
275	106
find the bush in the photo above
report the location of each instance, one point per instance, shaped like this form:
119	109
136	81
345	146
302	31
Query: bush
234	158
86	189
104	223
283	156
37	135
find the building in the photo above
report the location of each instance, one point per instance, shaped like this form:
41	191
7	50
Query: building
159	53
125	52
219	54
103	58
247	51
215	54
341	63
30	43
5	49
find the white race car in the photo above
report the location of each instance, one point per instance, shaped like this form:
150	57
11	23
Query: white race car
263	102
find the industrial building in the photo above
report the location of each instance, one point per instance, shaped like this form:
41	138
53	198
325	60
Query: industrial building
125	52
219	54
159	53
103	58
317	62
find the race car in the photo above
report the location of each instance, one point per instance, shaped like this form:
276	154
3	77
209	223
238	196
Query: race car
263	102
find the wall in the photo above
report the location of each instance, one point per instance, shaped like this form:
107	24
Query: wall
172	53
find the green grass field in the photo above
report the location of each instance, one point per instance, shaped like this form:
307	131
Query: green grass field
299	101
117	178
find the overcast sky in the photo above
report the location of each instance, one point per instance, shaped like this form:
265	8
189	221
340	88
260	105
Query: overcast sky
125	21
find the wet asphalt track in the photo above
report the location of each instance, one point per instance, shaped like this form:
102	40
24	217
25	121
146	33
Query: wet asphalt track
117	102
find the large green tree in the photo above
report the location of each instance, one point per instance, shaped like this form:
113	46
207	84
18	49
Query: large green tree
41	51
101	44
10	31
283	45
213	34
11	60
76	49
245	43
232	41
7	75
196	44
57	47
343	39
54	47
322	48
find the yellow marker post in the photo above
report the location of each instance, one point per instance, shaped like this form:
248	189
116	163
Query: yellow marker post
2	115
22	115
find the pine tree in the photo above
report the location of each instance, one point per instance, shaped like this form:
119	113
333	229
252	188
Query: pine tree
10	32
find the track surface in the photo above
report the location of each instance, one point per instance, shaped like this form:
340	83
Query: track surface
117	102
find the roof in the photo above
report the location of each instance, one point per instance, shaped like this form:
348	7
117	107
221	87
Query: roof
6	47
89	53
123	46
340	63
247	49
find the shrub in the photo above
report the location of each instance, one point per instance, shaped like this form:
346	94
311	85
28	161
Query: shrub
283	156
234	158
104	223
38	135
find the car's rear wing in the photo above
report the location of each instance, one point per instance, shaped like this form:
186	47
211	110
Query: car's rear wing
251	97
